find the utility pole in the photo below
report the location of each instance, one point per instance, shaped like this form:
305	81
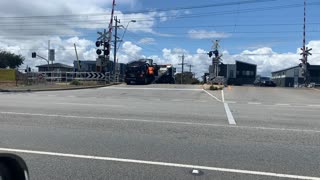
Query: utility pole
305	51
190	67
215	60
105	40
48	55
115	45
182	67
78	63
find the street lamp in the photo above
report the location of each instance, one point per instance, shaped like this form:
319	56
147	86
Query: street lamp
125	30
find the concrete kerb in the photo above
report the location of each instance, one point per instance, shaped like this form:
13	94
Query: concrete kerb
56	89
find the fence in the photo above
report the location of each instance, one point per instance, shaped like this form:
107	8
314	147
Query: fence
64	77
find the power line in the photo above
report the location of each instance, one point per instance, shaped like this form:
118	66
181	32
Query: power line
177	27
171	16
153	10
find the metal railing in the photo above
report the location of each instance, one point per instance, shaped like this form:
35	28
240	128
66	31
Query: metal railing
68	76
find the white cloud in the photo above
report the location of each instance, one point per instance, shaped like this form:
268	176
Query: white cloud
163	16
131	50
64	49
268	60
146	41
203	34
41	18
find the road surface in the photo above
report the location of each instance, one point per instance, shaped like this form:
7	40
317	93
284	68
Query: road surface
164	132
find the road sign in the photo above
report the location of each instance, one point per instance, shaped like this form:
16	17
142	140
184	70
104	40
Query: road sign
41	76
102	35
95	75
51	55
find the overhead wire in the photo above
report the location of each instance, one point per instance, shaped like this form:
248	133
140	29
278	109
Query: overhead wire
60	17
147	11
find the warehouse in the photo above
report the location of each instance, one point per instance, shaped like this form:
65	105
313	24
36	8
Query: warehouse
292	77
239	73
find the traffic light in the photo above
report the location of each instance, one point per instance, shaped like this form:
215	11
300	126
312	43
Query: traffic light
216	53
98	43
210	54
107	51
99	51
33	54
107	48
28	69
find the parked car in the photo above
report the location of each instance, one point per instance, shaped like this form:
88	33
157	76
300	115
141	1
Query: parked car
260	80
268	83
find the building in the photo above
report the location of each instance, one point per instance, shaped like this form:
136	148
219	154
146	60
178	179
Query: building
239	73
57	67
292	77
91	66
85	66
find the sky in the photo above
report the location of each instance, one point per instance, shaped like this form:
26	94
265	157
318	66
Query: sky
264	32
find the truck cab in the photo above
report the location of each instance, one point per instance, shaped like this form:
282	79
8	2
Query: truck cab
138	72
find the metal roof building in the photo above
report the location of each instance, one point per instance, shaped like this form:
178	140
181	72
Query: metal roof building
292	77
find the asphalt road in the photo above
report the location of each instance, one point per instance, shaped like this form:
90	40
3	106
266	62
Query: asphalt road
164	132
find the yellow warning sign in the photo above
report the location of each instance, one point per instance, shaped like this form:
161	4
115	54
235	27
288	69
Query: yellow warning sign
7	75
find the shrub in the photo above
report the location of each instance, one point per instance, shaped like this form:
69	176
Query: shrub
214	88
75	82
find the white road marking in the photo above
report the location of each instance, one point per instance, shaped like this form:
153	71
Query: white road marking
229	114
158	163
211	95
52	95
254	103
314	105
231	102
227	109
71	96
282	104
222	95
156	89
307	107
177	100
316	89
231	120
111	119
163	122
81	104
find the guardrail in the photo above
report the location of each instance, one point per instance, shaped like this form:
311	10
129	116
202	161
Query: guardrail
68	76
64	77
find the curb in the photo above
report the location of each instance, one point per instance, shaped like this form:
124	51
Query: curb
56	89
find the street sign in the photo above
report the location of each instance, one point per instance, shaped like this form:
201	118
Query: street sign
95	75
51	55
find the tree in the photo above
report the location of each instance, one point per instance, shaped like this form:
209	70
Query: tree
187	78
8	59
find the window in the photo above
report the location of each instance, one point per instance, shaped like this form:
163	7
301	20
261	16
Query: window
231	74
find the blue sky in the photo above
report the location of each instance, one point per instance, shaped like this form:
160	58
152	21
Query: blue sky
276	24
